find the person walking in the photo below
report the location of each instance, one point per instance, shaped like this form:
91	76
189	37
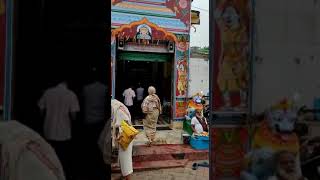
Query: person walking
94	97
129	96
120	112
140	93
151	107
59	106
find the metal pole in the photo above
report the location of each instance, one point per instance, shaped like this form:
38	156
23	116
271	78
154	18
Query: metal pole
174	77
8	60
212	4
251	70
252	55
114	63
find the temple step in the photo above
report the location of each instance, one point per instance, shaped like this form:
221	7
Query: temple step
163	156
151	165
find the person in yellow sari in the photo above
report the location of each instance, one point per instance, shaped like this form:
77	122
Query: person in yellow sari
120	112
151	107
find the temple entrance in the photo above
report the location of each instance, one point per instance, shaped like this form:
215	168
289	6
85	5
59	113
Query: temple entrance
146	69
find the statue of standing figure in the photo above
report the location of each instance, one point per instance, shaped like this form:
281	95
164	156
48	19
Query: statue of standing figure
233	64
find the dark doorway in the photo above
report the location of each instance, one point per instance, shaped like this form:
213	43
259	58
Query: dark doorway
57	40
148	73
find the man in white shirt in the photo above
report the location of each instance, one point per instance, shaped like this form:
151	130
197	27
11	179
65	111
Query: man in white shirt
199	123
59	106
129	95
140	93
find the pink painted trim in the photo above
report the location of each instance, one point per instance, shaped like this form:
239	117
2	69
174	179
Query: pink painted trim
168	29
177	30
146	2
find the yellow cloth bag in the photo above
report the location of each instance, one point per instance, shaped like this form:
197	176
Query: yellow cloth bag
127	135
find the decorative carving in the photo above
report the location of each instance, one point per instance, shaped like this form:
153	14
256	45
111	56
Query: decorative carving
131	31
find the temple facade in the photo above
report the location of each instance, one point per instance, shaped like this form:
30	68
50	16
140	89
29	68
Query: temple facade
150	46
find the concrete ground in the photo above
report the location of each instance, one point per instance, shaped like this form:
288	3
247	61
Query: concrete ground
162	137
183	173
186	173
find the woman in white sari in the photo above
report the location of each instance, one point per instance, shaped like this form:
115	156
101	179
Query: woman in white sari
24	155
120	112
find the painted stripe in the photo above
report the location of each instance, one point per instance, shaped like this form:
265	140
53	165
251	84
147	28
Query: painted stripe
116	25
144	10
140	6
149	1
177	30
145	13
151	4
164	22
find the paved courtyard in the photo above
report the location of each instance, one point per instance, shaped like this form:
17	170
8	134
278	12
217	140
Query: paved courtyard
182	173
186	173
162	137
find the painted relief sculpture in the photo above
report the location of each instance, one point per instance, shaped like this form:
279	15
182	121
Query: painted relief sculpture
144	34
182	77
233	73
182	55
275	134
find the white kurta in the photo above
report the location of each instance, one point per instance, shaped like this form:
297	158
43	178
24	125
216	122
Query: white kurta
129	94
198	127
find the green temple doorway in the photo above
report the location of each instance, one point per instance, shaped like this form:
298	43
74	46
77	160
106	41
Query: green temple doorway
146	69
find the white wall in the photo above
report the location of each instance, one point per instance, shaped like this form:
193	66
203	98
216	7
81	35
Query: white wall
198	76
286	30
